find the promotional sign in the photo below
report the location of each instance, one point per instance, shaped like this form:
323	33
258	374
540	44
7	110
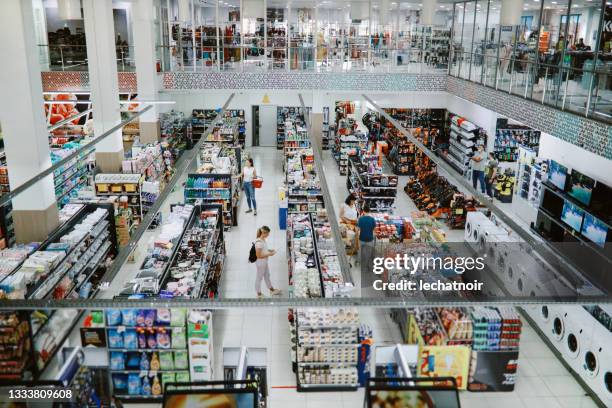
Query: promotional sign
445	361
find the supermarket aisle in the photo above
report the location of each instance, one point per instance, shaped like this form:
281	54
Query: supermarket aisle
239	275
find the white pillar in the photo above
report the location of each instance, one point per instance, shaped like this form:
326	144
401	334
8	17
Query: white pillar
102	62
146	71
26	139
511	11
428	12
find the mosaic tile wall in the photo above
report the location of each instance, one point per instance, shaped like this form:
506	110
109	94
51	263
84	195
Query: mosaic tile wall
306	81
591	135
79	81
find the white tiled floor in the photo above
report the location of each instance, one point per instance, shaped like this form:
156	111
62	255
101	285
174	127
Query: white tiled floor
542	380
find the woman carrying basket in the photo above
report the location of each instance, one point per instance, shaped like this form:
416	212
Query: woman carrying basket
249	174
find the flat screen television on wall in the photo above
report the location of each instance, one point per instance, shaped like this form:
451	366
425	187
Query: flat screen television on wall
581	187
595	230
572	215
557	175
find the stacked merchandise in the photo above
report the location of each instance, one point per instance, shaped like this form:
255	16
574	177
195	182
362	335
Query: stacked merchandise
463	140
231	128
531	172
154	269
393	228
11	259
288	114
431	192
218	180
16	362
495	350
405	157
69	263
7	229
303	185
370	185
73	175
325	129
349	139
327	349
331	275
155	164
508	139
173	131
130	133
504	185
197	265
296	136
476	346
127	188
428	120
149	348
304	271
212	188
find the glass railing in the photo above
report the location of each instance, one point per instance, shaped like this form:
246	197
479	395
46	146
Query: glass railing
74	57
307	57
586	91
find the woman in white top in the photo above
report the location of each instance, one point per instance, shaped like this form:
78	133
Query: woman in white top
263	269
248	174
348	211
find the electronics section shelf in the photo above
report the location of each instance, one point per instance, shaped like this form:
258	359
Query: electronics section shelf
367	182
464	138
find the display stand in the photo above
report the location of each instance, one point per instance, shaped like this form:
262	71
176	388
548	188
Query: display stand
196	267
292	115
408	392
510	138
396	361
247	364
464	138
214	188
325	131
7	229
303	185
370	185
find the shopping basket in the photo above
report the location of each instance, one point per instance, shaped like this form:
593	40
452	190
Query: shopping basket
257	182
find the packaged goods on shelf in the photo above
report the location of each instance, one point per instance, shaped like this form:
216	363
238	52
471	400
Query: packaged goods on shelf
218	180
67	264
126	186
370	185
296	136
16	362
390	228
73	175
509	138
197	265
303	184
325	130
231	128
351	136
149	348
304	274
292	115
154	268
327	349
7	229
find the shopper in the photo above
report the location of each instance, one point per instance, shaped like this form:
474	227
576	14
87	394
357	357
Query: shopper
490	174
348	211
478	167
366	224
263	269
248	174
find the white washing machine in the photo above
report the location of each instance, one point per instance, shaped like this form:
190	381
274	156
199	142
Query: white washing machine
596	360
579	326
473	222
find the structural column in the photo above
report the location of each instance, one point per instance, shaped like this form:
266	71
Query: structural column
102	61
26	139
146	63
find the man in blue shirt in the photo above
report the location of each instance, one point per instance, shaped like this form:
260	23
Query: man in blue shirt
366	224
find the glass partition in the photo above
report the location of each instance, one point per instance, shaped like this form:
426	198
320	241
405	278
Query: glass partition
556	54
